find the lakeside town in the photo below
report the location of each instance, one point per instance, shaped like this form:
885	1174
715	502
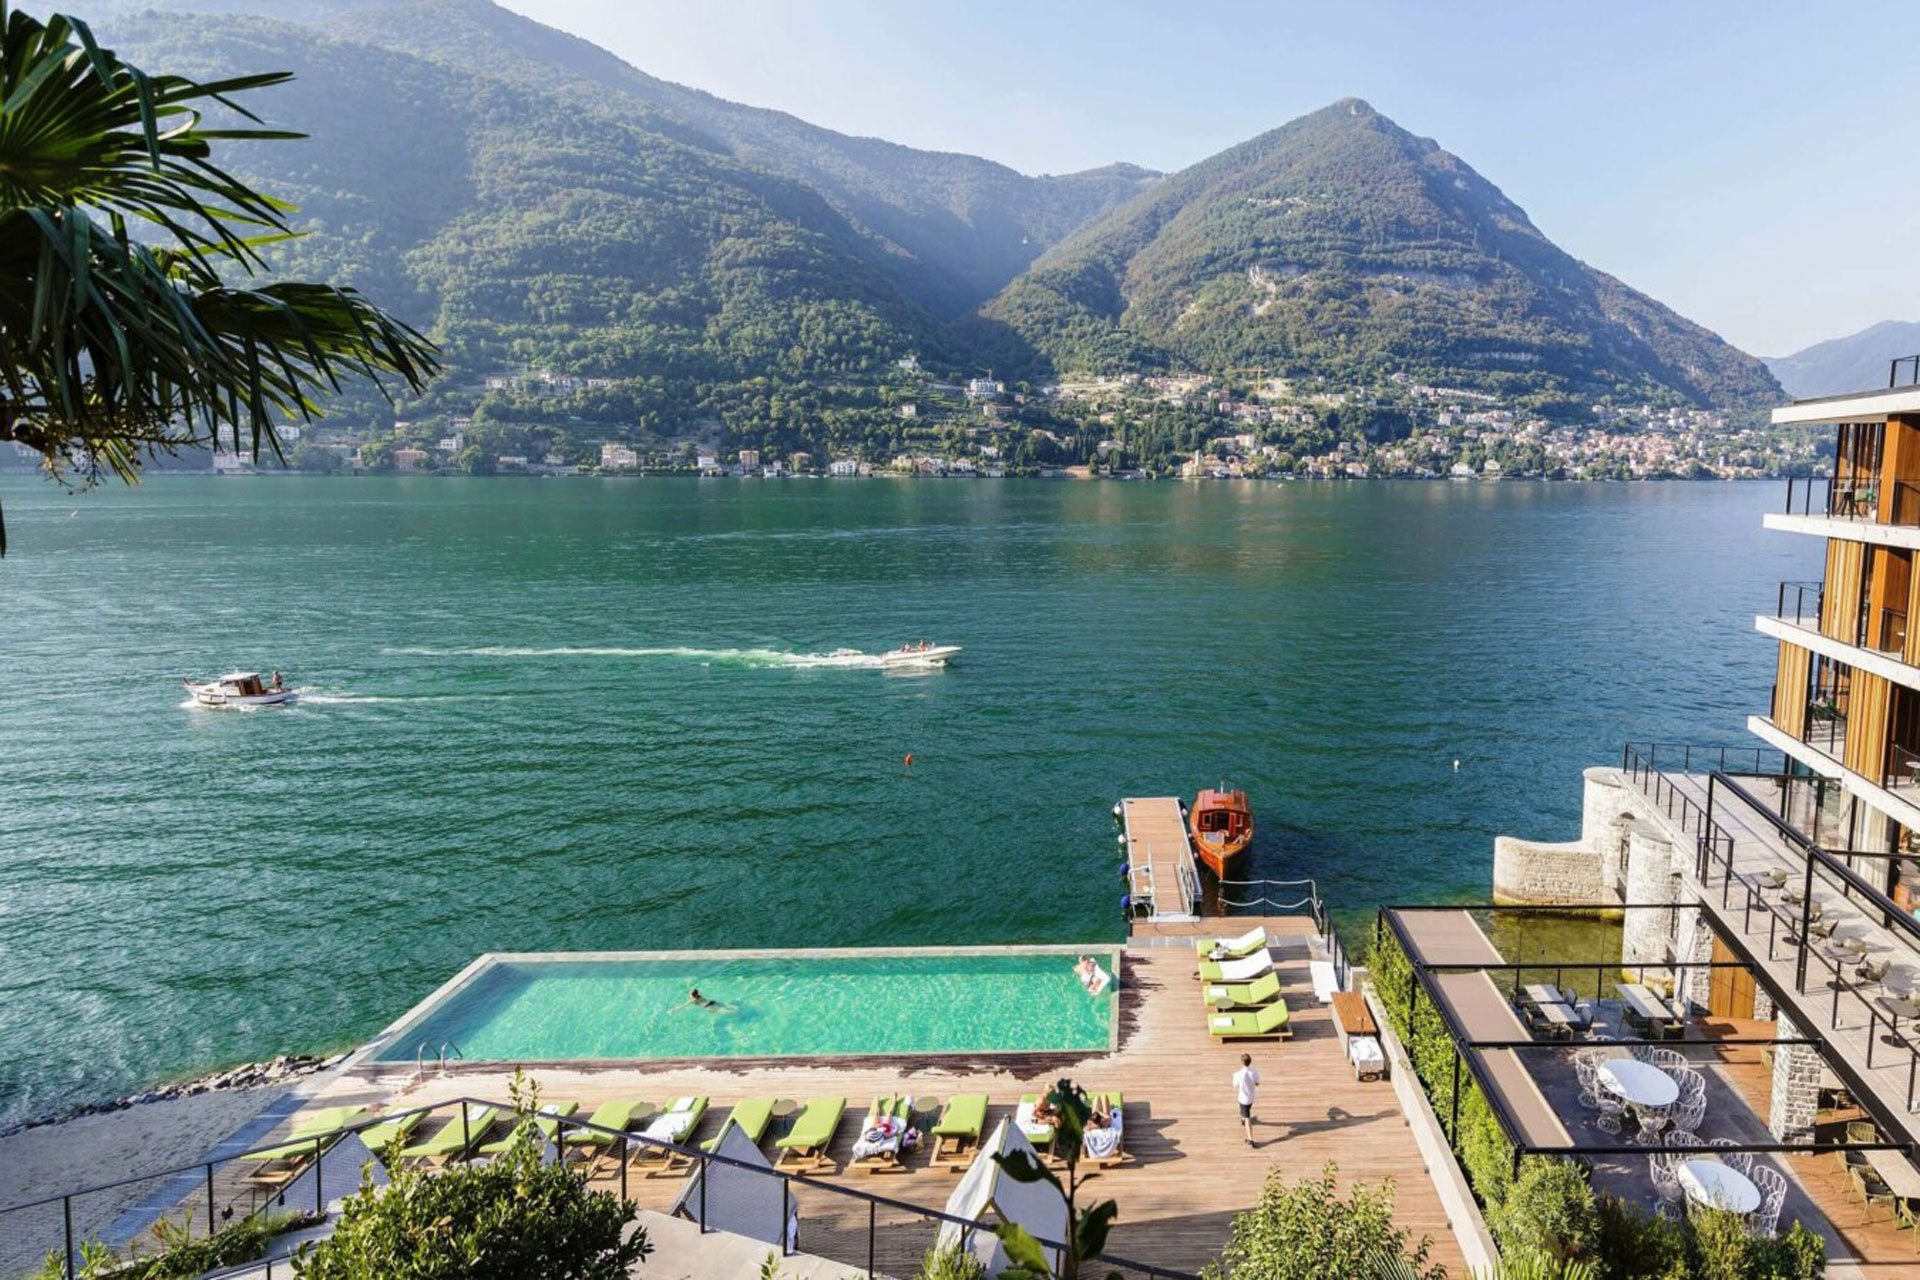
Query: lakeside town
1131	427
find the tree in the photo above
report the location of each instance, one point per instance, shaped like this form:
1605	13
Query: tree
116	347
513	1219
1086	1228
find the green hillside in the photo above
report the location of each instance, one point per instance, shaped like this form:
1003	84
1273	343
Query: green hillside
1342	246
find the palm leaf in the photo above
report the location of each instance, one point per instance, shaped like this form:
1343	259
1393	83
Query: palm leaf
113	347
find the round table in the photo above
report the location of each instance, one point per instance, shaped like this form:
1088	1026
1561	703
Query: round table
1638	1083
1708	1182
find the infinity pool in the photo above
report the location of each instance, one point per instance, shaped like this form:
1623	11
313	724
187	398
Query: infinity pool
774	1004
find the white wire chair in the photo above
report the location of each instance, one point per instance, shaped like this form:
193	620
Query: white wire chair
1666	1183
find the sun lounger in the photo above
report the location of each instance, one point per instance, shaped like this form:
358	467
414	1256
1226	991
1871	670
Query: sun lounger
957	1133
805	1146
1040	1135
314	1132
541	1129
1107	1146
1266	1023
1254	939
1264	989
1245	969
378	1137
676	1125
455	1139
882	1135
751	1116
1326	984
599	1146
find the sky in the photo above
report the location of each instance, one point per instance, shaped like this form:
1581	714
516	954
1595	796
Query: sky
1755	166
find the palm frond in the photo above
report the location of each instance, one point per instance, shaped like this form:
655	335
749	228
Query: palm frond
113	348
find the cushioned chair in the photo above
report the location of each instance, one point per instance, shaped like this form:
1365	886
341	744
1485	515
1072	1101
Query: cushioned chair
1269	1022
805	1145
957	1132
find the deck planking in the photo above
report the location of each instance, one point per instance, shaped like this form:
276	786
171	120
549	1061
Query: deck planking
1159	856
1191	1172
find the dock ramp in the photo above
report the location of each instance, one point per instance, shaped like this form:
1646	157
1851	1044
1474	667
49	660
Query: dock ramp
1162	880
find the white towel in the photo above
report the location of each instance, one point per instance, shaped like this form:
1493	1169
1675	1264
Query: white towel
1223	1020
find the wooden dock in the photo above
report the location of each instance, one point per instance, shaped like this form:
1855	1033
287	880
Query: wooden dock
1161	877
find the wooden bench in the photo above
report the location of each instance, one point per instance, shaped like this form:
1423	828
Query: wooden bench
1359	1035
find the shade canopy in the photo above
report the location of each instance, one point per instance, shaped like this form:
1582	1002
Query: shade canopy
987	1196
746	1202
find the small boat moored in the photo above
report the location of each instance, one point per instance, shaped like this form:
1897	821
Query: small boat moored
920	655
241	689
1221	826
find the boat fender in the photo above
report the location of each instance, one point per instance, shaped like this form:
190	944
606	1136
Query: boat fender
1121	839
1126	869
1117	811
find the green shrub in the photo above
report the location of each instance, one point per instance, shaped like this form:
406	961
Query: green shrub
1548	1211
1307	1230
950	1263
513	1219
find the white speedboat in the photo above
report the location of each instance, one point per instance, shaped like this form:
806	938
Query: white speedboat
240	689
927	655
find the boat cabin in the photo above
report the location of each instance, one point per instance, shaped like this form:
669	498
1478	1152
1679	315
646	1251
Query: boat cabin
243	684
1221	816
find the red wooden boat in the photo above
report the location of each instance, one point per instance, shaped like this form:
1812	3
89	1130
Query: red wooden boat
1222	827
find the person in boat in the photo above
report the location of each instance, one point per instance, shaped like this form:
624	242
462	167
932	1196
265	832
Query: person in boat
276	686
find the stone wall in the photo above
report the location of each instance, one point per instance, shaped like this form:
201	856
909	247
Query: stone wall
1795	1099
1572	871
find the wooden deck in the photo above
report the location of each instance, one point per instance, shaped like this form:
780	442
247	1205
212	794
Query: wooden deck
1192	1170
1159	858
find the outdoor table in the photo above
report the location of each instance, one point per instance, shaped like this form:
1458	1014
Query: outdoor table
1643	1002
1717	1186
1542	993
1638	1083
1902	1179
1897	1007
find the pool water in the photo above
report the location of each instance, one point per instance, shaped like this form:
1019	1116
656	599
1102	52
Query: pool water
555	1010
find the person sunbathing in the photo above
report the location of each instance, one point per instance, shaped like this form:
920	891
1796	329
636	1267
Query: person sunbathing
1101	1117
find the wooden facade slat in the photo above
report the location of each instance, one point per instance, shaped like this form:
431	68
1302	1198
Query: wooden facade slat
1840	611
1790	689
1867	712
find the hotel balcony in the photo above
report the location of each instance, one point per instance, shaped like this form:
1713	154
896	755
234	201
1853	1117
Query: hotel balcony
1877	641
1894	790
1887	514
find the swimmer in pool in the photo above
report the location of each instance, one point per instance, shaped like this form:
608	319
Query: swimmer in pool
697	1001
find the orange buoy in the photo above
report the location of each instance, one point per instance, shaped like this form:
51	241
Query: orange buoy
909	759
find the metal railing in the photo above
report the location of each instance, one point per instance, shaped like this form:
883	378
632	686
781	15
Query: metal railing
1894	367
1903	768
1853	499
1797	925
895	1251
1799	603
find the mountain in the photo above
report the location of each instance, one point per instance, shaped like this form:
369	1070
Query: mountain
1853	363
949	229
1342	245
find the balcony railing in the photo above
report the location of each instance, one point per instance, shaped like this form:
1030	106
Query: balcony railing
1799	604
1853	500
1903	372
1903	770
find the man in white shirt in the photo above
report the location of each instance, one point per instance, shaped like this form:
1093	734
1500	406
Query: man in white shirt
1245	1081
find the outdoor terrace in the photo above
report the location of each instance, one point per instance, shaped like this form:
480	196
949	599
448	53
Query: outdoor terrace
1586	1057
1190	1170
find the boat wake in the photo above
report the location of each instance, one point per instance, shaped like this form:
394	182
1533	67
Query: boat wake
710	657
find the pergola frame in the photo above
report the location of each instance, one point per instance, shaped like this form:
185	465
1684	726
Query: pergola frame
1465	1047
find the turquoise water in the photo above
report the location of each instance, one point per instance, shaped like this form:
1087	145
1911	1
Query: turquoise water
518	1011
573	715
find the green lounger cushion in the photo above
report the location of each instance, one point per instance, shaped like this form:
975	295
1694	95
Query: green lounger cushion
1263	1021
300	1142
454	1137
753	1115
815	1126
1262	989
545	1123
1254	939
379	1137
615	1114
965	1116
1245	969
1041	1133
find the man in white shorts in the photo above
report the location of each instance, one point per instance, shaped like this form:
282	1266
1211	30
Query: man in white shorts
1245	1081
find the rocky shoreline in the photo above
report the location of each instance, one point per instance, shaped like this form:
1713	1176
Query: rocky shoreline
248	1075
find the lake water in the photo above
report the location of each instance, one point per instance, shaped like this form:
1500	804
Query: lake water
559	715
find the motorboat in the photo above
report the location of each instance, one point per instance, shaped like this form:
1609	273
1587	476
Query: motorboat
920	655
240	689
1222	827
